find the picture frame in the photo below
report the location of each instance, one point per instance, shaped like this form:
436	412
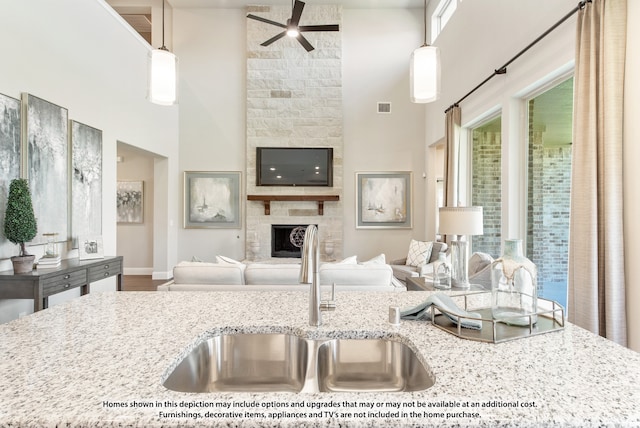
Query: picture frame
212	199
86	181
47	165
10	160
90	247
384	200
130	202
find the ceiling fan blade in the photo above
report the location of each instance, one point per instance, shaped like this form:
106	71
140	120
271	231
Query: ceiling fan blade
298	6
304	42
268	21
273	39
333	27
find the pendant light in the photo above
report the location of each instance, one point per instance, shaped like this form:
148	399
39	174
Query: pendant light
425	70
163	73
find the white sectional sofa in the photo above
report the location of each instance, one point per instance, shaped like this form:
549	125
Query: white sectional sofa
201	276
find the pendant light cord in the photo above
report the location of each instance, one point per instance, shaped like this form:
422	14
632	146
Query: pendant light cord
163	46
424	12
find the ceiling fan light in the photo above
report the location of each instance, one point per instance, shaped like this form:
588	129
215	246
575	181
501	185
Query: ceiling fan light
163	77
293	32
425	74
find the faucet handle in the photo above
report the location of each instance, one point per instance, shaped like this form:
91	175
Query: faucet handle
331	303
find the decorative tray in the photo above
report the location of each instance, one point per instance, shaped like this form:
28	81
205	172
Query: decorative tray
550	317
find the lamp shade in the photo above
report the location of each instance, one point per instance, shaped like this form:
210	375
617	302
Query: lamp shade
163	76
425	74
461	221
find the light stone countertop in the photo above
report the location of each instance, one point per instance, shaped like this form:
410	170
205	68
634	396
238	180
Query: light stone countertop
74	365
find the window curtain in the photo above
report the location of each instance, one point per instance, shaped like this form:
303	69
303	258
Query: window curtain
596	247
452	139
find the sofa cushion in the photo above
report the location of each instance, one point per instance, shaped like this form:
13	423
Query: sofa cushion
272	274
351	260
479	261
438	247
419	253
374	274
377	260
208	273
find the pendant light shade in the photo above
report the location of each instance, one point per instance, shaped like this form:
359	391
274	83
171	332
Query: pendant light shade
425	74
163	72
424	70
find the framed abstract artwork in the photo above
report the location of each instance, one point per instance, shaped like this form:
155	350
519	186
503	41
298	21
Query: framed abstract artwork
47	165
212	200
383	200
130	201
10	150
86	181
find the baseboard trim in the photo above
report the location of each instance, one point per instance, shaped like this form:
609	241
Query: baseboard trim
137	271
162	275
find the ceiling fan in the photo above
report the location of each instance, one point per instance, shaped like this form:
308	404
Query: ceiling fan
292	29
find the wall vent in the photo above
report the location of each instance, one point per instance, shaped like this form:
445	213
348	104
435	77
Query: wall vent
384	107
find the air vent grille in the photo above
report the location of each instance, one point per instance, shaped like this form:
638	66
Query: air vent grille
384	107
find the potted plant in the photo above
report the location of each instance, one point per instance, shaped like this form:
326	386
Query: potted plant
20	223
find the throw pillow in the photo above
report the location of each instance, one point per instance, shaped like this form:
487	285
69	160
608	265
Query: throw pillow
479	261
349	261
196	259
419	253
377	260
223	259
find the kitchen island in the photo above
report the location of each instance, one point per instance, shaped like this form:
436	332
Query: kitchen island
100	360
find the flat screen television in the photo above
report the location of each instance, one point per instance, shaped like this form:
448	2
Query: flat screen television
293	166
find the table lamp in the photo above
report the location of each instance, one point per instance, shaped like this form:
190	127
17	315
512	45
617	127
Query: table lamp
460	221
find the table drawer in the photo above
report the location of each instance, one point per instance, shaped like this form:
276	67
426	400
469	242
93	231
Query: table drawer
105	270
64	281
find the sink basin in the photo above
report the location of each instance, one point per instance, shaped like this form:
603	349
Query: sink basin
243	363
359	365
269	362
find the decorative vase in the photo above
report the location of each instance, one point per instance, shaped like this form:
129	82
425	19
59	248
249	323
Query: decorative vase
23	264
514	288
442	272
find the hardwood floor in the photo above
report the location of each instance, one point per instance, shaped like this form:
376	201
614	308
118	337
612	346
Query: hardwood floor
141	283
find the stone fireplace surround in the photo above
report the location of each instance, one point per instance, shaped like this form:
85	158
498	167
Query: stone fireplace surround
294	99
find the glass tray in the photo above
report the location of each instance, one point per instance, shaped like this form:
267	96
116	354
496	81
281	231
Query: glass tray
550	317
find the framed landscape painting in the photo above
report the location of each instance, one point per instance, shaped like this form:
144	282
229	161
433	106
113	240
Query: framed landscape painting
10	143
383	200
47	149
212	199
130	201
86	181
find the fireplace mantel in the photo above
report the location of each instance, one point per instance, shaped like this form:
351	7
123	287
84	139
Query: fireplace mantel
266	199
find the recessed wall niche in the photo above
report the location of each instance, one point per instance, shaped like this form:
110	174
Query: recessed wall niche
294	99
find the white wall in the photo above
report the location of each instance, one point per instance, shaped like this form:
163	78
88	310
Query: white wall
80	56
210	44
135	240
472	48
377	45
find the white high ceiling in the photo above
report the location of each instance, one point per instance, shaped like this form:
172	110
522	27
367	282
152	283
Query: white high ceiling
347	4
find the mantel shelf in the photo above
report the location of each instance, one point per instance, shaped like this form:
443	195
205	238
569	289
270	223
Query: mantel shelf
266	199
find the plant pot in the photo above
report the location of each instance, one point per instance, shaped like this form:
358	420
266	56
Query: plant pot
22	264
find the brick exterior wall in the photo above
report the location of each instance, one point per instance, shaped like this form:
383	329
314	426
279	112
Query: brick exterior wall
294	99
487	184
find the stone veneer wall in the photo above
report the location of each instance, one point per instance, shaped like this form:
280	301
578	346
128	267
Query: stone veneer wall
294	99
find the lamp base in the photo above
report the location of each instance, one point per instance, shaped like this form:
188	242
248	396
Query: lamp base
459	264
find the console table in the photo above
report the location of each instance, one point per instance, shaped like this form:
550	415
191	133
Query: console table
72	273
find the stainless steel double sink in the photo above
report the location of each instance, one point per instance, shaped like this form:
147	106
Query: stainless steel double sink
282	362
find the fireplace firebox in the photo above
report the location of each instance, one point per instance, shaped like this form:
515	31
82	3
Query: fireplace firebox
287	240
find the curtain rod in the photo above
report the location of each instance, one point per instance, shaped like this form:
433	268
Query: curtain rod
503	69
